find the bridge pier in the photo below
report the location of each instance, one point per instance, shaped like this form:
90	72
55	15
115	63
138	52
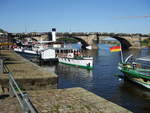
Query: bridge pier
136	41
92	46
92	40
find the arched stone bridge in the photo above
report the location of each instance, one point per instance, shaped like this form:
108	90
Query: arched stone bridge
91	39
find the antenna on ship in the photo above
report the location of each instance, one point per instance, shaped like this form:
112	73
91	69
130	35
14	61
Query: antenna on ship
25	29
70	29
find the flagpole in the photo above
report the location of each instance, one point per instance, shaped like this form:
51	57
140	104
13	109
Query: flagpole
121	54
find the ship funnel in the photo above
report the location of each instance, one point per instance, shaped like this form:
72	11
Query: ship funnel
54	34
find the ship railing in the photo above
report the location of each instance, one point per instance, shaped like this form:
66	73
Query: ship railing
22	98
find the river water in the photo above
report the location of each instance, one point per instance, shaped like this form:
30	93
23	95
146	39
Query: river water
101	79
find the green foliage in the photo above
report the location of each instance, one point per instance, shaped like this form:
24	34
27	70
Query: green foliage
146	42
67	40
2	31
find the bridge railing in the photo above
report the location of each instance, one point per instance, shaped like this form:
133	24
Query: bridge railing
23	98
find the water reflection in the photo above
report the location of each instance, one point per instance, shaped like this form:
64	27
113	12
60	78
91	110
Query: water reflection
70	76
134	97
135	90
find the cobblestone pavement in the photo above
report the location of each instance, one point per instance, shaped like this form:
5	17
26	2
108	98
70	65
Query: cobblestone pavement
73	100
9	104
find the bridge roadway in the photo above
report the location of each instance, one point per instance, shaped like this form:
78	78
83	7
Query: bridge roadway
44	94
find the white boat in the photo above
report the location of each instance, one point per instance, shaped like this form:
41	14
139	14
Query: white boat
35	48
74	57
25	50
45	53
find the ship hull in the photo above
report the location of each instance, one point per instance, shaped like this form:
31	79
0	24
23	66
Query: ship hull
83	63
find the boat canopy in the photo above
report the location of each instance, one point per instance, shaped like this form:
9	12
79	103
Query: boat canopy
68	49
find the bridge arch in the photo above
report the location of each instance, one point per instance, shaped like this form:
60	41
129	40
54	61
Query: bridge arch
83	42
124	42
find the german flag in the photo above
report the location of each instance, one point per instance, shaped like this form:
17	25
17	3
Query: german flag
115	49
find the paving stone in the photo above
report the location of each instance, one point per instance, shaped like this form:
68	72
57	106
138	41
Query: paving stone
72	100
9	104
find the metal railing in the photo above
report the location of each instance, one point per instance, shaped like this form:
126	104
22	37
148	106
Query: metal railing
23	99
1	66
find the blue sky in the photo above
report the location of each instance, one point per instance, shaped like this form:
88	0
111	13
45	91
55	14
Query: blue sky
75	15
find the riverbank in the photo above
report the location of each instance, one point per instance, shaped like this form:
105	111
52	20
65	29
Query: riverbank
72	100
44	95
27	74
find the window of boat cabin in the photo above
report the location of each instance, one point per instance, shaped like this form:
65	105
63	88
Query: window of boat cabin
57	51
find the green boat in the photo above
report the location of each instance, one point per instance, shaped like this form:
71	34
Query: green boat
135	73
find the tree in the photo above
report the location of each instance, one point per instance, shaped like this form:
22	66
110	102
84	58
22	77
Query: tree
2	31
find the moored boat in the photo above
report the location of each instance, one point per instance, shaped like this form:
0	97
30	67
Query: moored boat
25	50
74	57
46	50
135	73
